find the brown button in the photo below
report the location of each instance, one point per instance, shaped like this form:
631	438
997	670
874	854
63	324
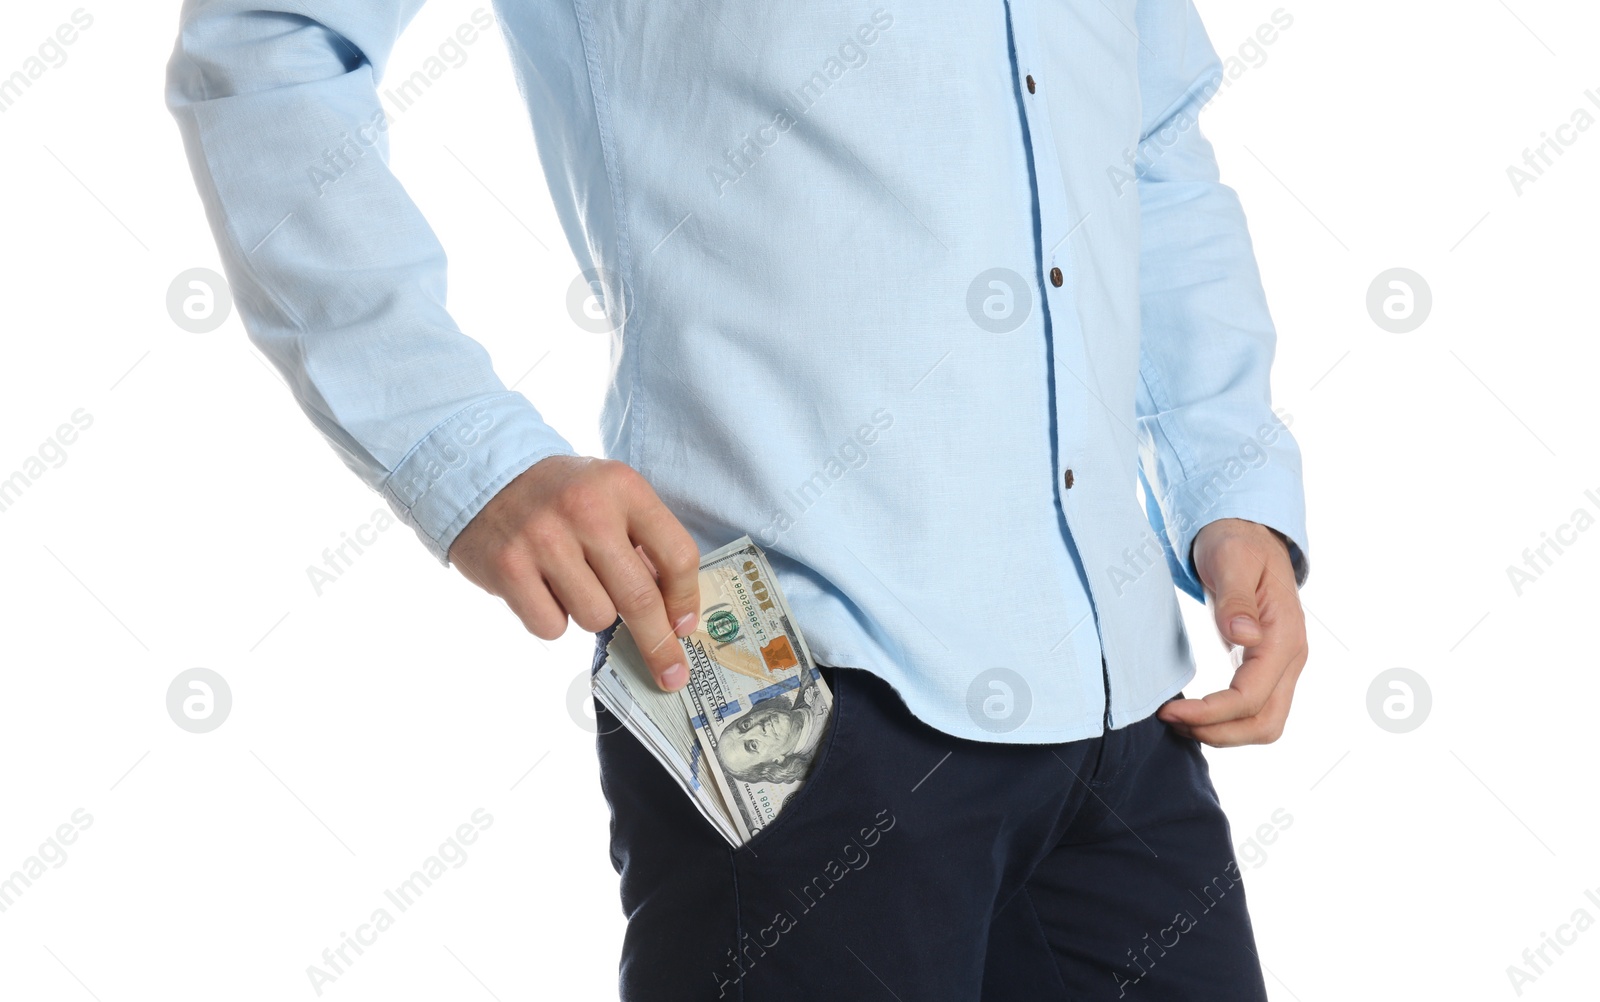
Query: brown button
1030	83
1067	479
1055	277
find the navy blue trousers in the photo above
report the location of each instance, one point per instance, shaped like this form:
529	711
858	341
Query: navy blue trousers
920	867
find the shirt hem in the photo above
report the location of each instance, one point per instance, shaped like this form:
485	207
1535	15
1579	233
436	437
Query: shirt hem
1092	727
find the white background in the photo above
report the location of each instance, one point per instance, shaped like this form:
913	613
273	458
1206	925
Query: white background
370	721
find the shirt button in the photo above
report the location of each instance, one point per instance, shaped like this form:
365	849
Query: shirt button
1066	479
1030	83
1055	277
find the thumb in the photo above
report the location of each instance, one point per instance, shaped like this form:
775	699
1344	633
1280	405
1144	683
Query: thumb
1238	618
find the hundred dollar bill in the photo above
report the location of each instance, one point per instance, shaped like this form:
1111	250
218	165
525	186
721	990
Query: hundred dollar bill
624	685
755	700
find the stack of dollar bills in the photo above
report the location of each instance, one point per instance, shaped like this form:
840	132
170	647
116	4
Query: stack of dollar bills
740	738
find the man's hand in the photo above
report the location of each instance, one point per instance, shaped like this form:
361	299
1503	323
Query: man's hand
589	539
1249	583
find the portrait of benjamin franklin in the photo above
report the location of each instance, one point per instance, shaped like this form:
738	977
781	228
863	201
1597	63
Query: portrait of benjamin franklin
776	741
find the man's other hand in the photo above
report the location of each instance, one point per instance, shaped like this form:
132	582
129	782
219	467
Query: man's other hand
1250	587
588	539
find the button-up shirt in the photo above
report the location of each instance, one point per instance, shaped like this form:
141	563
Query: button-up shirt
942	303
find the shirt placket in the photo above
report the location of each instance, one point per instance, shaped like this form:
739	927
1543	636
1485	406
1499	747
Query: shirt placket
1059	226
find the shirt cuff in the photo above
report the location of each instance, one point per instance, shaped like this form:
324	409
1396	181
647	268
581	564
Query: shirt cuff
447	478
1268	496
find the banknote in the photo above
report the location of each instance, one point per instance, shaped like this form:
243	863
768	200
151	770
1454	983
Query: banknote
741	737
758	705
624	685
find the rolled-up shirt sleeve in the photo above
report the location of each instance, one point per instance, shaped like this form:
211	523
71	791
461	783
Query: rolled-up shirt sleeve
1212	445
338	278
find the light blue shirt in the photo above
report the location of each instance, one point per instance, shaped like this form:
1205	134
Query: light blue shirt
882	281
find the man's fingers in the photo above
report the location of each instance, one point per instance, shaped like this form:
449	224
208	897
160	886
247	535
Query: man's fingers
538	610
1233	567
1254	683
575	586
637	598
1248	581
591	539
675	558
531	601
1234	603
1247	695
1261	728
